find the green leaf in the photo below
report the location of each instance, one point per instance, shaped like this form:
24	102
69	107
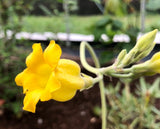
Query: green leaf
97	110
45	10
155	110
143	85
155	86
103	22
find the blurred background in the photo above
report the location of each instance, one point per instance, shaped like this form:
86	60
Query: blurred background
108	25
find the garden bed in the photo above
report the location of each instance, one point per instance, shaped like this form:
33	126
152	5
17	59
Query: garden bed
77	113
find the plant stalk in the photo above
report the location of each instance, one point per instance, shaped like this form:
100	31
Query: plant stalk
98	73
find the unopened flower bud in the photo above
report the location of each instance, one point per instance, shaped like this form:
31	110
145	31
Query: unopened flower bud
120	57
142	48
127	60
140	68
146	40
149	67
145	53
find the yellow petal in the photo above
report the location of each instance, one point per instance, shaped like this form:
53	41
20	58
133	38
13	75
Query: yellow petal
63	94
52	54
156	66
68	73
53	84
31	81
18	79
45	95
31	99
155	57
35	61
36	57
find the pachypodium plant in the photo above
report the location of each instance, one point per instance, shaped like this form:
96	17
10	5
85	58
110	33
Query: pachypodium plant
47	76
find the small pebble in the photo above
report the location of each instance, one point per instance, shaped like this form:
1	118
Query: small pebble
40	121
93	120
1	112
82	113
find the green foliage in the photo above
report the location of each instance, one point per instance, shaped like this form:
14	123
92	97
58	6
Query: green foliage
11	58
10	19
57	24
108	26
47	7
119	7
153	5
134	110
45	10
116	7
132	32
106	56
11	15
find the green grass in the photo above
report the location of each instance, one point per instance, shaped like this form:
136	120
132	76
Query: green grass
80	24
56	24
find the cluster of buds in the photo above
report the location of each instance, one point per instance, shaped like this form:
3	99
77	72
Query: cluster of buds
124	66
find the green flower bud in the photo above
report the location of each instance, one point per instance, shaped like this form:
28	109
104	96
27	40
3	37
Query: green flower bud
120	57
145	53
146	40
149	67
140	68
128	59
142	48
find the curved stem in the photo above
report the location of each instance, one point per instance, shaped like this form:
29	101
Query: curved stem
97	79
83	58
97	72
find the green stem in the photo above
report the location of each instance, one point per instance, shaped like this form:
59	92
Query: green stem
129	75
83	58
104	105
127	70
113	69
97	72
97	79
127	90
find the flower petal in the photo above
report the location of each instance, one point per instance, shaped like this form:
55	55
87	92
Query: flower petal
18	79
155	66
63	94
36	57
31	99
31	81
155	57
53	84
68	73
52	54
35	61
45	95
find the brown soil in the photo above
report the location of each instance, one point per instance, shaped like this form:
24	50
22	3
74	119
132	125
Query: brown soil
74	114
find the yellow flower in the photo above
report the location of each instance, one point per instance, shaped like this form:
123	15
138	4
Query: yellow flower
149	67
154	63
48	77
